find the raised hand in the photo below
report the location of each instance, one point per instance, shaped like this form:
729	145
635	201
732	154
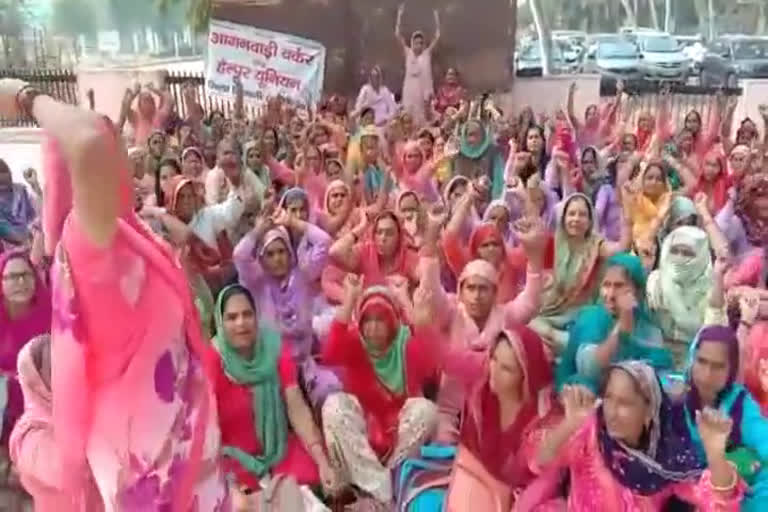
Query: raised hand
579	402
626	303
701	202
532	235
722	265
517	187
436	217
281	217
353	288
749	305
714	428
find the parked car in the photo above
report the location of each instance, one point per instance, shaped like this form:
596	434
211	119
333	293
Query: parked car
614	58
662	58
632	33
528	60
573	41
731	57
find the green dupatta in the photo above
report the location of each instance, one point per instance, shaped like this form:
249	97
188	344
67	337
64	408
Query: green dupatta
260	374
594	323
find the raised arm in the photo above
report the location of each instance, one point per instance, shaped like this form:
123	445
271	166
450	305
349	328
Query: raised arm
319	242
239	109
166	103
717	239
91	152
570	107
533	237
345	251
244	257
608	248
436	39
126	111
398	24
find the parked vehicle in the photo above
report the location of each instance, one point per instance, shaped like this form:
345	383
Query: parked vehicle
573	41
632	33
528	60
572	36
731	57
662	57
614	58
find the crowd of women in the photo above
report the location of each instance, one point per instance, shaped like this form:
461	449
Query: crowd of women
419	306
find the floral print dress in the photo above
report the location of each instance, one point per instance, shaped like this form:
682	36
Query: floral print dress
125	364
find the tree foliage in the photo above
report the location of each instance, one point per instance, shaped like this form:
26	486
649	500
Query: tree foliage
198	12
74	17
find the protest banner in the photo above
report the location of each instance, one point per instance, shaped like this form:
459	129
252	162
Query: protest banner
268	63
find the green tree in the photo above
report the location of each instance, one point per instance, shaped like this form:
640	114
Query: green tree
74	17
198	12
11	30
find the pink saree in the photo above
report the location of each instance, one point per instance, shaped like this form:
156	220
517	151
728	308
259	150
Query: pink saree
132	398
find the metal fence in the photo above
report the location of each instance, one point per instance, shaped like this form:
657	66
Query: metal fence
57	83
178	80
642	95
645	96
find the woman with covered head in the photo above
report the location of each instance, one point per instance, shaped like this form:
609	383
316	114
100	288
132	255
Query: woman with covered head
450	93
579	254
16	209
479	157
595	126
712	384
32	444
513	406
148	115
597	184
267	427
619	327
381	417
416	172
636	450
744	220
485	242
376	96
25	312
474	316
209	240
127	352
648	198
418	87
283	284
686	290
381	251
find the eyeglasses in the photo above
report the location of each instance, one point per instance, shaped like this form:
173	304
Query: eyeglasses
18	276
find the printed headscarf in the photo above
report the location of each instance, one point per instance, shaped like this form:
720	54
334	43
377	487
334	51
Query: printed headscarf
668	455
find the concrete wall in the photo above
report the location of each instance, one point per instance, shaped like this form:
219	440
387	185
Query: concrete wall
755	93
109	86
546	94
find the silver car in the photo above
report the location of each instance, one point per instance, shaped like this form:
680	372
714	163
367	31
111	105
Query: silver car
662	58
528	61
616	59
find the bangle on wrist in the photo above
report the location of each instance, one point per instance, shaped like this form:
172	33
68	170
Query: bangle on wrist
729	487
745	323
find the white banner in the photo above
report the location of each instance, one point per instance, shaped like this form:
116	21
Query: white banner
268	63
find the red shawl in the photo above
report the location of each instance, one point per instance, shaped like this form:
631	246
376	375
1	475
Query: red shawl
481	424
717	190
449	96
406	257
